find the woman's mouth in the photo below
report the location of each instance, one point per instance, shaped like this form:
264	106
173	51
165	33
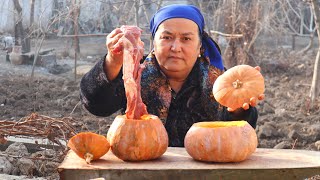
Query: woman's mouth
175	57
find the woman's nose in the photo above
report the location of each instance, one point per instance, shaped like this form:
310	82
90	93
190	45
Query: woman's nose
176	45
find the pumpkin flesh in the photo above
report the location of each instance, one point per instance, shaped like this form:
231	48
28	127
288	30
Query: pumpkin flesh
221	141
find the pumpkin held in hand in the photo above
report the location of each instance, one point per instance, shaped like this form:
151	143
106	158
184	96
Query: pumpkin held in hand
237	85
138	139
89	146
221	141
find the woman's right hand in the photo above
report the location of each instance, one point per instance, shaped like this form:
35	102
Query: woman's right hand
114	59
116	42
115	54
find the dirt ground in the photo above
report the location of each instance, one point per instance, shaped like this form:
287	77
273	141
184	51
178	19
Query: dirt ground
286	118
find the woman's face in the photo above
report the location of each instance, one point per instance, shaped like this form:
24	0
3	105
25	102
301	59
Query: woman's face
177	45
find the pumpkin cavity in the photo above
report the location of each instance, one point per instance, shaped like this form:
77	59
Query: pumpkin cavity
221	124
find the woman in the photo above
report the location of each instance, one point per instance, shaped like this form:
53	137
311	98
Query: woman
176	84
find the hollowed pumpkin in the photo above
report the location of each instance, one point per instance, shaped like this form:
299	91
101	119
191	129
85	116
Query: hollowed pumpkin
237	85
89	146
137	139
221	141
137	135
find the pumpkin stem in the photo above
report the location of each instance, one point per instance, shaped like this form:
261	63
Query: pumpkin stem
88	157
237	84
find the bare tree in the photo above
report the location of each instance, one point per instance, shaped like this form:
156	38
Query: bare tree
19	34
314	91
31	13
55	12
76	13
295	20
243	18
40	32
126	9
137	6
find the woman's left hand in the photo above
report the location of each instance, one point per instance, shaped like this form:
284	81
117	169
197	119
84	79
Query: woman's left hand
253	101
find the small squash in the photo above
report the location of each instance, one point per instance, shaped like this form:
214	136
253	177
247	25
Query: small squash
237	85
137	139
221	141
89	146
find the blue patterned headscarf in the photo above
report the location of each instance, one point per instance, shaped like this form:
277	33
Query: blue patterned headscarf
192	13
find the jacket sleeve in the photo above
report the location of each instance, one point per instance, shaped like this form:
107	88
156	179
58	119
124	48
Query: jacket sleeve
100	96
250	115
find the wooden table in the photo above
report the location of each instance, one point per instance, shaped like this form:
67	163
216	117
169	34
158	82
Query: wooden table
176	164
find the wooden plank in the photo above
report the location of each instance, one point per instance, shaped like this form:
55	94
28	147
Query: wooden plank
177	164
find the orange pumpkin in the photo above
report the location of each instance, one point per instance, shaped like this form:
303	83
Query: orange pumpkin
237	85
137	139
221	141
89	146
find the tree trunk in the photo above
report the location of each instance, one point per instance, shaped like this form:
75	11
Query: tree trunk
125	11
230	57
136	5
76	13
31	12
54	14
19	32
301	11
314	91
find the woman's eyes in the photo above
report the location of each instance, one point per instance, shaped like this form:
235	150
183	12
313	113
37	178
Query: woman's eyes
186	38
169	37
166	37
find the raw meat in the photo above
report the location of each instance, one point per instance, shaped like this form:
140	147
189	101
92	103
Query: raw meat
132	48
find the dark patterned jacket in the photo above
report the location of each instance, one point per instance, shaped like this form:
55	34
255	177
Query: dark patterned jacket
178	111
